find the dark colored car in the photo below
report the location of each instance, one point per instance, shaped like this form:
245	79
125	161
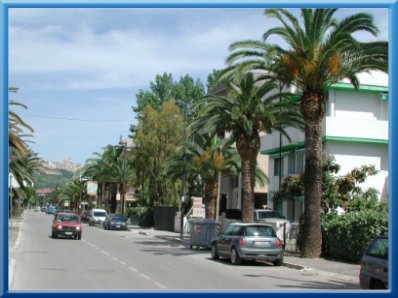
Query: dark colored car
85	216
248	241
43	209
66	224
115	221
374	265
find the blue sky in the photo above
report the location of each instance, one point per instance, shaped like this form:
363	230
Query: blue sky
89	64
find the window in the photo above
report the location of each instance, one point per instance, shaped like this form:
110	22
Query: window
378	248
268	214
277	166
236	231
300	163
100	214
228	230
258	231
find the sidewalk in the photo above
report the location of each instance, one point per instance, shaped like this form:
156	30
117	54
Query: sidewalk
347	272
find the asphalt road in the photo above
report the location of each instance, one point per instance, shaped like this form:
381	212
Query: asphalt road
126	260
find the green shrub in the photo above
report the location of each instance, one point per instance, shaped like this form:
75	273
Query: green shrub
346	237
143	215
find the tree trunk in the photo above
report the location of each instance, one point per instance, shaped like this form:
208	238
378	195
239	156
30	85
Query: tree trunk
99	195
248	148
313	109
211	197
113	197
107	197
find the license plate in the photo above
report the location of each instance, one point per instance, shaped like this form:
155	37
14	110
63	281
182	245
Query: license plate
118	226
68	233
262	243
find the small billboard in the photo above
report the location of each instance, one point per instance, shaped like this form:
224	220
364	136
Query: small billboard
92	187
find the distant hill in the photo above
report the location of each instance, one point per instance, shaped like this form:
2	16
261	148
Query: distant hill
52	178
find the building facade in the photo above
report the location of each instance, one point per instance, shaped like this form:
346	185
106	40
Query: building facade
355	132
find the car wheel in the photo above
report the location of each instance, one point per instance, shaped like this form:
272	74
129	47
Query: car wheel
378	286
55	235
79	237
278	262
214	254
235	259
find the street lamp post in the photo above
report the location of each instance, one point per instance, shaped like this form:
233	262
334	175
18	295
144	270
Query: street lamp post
180	103
80	199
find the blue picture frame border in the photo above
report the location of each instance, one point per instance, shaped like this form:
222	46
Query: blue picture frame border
393	166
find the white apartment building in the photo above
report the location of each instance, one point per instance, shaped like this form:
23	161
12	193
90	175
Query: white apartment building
355	131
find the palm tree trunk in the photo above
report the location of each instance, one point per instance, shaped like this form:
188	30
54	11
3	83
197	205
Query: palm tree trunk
248	148
113	197
313	109
107	197
211	196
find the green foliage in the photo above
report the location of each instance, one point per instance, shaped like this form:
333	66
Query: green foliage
51	181
166	88
143	215
346	237
157	138
342	191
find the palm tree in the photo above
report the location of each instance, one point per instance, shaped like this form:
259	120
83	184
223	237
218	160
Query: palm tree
245	112
320	54
109	168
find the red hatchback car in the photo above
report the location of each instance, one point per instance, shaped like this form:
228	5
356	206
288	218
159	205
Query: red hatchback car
67	224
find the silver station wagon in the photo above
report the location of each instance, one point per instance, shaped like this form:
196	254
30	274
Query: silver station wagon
248	241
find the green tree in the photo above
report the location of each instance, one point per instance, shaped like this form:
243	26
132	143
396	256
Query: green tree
320	54
158	136
166	88
245	112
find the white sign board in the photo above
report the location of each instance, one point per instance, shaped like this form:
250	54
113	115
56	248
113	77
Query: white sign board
197	202
199	212
198	207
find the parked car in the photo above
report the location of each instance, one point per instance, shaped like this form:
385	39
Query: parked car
115	221
36	209
66	224
85	216
248	241
67	211
50	210
273	217
43	209
374	265
98	216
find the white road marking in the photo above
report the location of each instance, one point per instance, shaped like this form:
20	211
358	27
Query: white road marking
132	269
84	240
96	248
144	276
160	285
115	258
123	263
104	252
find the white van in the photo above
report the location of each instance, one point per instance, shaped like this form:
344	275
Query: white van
98	216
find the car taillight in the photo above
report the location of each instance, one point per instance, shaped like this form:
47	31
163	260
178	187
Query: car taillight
242	242
84	216
279	243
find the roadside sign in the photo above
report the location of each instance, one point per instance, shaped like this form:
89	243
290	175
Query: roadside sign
198	207
92	188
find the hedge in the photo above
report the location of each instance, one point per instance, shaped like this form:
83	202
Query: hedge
346	237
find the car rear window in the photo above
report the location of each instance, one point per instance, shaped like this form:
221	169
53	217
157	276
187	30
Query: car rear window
117	216
268	214
100	214
378	248
67	218
258	231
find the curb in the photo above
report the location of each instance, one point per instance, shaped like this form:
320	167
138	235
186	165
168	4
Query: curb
341	277
11	269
